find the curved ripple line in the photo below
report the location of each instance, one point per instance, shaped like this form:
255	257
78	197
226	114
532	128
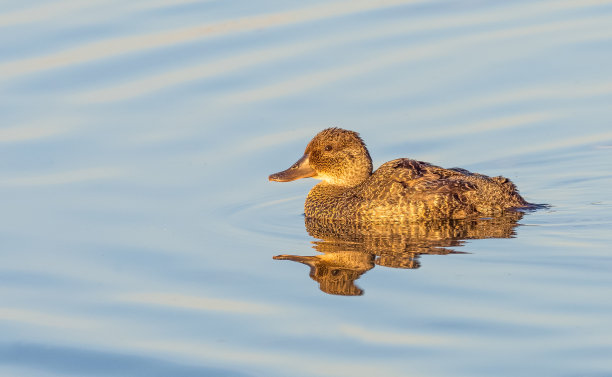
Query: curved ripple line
394	56
393	338
31	317
461	105
131	44
123	45
181	75
530	94
169	78
310	365
247	146
565	143
43	12
200	303
65	177
62	8
496	123
27	132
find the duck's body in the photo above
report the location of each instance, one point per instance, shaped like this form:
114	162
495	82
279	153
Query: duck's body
400	190
405	189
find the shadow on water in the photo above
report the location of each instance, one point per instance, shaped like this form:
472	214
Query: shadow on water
349	250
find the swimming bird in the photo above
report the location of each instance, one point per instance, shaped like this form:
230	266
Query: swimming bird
401	190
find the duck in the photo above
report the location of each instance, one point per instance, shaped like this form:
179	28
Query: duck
401	190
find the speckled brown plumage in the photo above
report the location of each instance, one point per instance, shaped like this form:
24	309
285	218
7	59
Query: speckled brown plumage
400	190
350	249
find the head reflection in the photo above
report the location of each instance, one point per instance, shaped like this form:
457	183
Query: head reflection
348	250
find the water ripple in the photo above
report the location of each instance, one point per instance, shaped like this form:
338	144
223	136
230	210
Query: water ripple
36	130
139	225
130	44
64	177
200	303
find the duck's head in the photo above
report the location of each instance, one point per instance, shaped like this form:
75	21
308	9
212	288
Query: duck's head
335	156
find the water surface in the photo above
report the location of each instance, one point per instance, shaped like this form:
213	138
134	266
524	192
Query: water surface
139	228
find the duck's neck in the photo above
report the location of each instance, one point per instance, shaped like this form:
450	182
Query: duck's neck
359	171
347	176
328	201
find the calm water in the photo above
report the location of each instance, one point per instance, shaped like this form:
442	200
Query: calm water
139	228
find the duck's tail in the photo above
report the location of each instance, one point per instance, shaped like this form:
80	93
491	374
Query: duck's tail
514	197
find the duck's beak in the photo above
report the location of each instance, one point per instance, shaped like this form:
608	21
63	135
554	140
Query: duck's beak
308	260
301	169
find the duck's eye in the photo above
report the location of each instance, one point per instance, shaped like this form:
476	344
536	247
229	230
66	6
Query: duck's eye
328	148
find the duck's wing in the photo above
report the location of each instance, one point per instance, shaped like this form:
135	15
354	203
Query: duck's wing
430	191
421	178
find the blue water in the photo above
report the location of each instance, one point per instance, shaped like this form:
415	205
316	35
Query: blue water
139	228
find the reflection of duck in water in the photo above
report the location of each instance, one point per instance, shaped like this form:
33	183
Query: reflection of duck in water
351	249
336	272
400	190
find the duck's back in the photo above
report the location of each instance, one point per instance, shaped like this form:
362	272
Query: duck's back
410	190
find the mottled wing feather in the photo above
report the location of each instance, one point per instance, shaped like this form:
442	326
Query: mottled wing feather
420	178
